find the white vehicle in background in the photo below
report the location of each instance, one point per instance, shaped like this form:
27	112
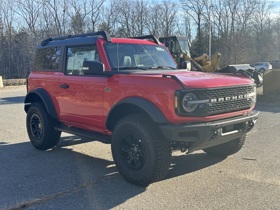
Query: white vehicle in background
242	66
262	66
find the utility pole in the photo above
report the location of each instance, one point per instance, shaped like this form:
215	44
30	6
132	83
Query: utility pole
210	31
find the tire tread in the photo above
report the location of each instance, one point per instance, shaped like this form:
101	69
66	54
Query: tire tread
162	150
51	136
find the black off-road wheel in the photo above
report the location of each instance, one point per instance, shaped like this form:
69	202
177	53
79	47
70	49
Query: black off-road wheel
141	153
40	127
228	148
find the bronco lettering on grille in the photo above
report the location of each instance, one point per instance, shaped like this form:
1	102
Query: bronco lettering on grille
228	98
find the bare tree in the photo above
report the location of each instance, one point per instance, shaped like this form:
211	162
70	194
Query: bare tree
242	30
141	13
109	17
263	29
162	19
8	13
132	17
30	11
169	17
2	60
95	8
276	42
55	11
154	20
125	10
196	10
77	12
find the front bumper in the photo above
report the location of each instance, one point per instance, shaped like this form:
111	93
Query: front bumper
209	134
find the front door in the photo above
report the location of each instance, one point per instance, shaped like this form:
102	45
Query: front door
80	100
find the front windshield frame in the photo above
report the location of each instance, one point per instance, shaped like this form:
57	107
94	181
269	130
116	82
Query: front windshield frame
184	44
130	56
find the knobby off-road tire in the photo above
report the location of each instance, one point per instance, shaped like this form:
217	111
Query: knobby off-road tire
141	153
228	148
40	127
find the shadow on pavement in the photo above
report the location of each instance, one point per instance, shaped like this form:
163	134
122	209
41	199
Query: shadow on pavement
12	100
189	163
263	107
32	178
37	179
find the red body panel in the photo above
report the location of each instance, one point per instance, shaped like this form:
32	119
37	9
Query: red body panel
124	86
194	79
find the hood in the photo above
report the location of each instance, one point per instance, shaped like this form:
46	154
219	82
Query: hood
192	79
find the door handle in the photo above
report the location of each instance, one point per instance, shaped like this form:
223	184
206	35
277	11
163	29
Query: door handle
64	86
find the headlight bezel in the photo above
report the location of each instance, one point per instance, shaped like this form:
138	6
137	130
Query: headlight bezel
194	102
188	102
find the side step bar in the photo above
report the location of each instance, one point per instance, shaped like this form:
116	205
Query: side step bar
83	133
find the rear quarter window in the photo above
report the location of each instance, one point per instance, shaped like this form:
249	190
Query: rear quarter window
47	59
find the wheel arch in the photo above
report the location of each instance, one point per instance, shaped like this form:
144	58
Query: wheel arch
134	105
40	95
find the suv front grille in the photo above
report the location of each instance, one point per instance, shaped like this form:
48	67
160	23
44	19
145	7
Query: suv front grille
214	101
230	105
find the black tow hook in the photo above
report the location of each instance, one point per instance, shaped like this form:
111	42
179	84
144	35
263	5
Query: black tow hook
250	125
214	133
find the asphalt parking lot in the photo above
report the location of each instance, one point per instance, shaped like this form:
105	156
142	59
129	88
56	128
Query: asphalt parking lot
81	175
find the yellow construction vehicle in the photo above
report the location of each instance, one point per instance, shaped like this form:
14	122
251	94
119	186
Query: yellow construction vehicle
179	48
203	63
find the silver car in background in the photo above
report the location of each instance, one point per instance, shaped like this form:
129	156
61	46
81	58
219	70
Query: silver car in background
262	66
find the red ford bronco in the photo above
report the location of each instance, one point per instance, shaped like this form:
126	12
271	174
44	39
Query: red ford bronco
128	92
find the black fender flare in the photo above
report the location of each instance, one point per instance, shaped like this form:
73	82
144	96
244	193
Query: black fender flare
147	106
44	97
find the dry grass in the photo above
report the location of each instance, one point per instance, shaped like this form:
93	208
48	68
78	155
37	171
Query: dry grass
14	82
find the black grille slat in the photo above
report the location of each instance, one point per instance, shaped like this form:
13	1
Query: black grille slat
215	93
221	107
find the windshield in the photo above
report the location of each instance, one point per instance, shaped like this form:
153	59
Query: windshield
184	45
138	56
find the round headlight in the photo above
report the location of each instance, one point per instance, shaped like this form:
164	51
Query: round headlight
187	102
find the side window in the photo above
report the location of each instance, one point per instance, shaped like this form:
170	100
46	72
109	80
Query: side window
77	55
47	59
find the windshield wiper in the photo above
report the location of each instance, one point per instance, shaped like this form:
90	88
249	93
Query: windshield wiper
162	67
131	68
145	68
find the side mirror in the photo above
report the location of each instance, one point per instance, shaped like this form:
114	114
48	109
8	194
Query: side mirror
186	65
93	67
